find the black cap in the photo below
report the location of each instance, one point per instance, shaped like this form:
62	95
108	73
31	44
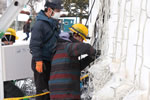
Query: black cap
54	4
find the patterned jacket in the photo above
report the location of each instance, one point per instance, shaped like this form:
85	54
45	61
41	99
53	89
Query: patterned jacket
64	83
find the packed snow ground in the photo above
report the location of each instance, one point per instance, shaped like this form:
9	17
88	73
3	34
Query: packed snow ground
21	36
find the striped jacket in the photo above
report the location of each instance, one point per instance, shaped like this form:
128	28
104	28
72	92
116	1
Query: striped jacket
64	83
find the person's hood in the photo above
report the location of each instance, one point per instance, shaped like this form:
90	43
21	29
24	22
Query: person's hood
41	16
65	36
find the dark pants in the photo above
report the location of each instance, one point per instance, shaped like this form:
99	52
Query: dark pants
27	33
41	80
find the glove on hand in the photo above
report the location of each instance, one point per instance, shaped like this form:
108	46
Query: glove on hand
39	66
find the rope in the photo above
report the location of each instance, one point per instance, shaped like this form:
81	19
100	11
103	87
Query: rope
37	95
27	97
90	12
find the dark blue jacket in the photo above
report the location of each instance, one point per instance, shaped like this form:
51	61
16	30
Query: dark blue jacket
44	37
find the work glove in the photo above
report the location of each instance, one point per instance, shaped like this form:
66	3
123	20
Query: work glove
39	66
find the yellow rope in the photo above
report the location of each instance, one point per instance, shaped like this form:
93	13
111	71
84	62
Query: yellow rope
27	97
85	76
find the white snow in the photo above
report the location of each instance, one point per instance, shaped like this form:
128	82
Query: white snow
128	52
123	73
21	36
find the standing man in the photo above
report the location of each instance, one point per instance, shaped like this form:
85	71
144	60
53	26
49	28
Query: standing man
43	41
10	89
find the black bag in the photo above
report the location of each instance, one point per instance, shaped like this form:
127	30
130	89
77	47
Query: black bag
10	90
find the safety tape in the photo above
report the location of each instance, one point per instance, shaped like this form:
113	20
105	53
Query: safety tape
85	76
27	97
37	95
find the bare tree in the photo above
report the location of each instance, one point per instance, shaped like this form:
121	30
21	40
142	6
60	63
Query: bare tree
77	8
32	4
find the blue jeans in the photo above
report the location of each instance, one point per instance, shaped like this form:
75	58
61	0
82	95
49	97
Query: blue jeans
27	33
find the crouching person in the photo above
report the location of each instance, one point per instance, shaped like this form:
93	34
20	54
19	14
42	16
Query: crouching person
64	83
10	89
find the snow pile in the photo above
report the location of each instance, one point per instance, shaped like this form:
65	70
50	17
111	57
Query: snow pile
100	74
123	37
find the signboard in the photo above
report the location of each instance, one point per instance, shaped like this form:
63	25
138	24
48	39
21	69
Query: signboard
16	60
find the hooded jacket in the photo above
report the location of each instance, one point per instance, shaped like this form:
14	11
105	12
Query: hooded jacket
44	37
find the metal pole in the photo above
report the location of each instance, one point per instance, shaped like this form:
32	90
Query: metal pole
5	21
1	75
16	24
10	14
9	2
90	12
